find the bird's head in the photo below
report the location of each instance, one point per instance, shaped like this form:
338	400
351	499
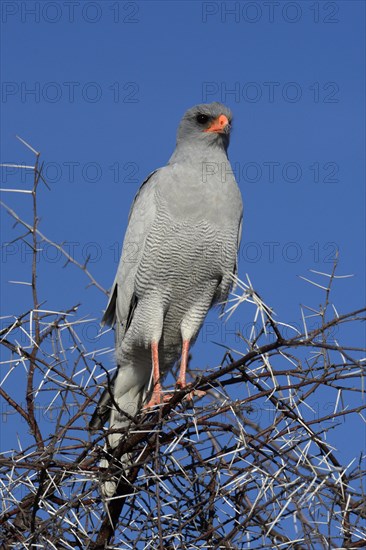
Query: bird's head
207	123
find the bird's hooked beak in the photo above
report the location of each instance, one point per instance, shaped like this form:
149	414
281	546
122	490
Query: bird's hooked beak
220	125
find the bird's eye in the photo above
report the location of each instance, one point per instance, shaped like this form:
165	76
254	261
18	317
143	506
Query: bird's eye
202	119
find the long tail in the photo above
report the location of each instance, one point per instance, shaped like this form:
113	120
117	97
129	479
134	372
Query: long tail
120	402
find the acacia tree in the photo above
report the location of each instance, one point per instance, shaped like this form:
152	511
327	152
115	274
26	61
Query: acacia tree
251	465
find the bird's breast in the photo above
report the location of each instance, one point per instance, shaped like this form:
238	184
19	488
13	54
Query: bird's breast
202	191
181	256
192	243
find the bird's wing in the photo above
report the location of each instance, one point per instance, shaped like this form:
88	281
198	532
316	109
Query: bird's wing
142	214
229	281
122	300
235	272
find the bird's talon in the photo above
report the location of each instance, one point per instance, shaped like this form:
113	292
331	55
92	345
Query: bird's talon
194	393
157	399
167	397
154	401
199	393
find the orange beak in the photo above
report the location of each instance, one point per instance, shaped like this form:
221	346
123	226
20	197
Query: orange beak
218	125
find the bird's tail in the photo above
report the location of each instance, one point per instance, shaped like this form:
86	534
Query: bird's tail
120	403
121	421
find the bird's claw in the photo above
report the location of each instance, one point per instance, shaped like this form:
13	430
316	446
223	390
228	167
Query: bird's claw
194	393
157	398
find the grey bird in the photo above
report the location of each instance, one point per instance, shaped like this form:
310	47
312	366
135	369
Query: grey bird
179	258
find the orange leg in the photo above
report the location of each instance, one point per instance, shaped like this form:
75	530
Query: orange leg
157	395
181	382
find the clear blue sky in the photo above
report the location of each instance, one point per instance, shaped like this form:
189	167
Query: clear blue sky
99	88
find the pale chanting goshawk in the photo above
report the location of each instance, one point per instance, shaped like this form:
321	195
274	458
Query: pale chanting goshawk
178	259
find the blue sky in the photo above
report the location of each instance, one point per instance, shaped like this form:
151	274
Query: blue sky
99	88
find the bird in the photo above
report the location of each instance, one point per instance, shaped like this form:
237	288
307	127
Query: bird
179	258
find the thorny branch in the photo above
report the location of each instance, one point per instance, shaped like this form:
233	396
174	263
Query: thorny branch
257	463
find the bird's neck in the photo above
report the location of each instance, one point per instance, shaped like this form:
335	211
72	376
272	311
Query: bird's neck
213	152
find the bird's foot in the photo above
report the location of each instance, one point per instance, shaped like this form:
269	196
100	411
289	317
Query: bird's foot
157	398
195	393
180	385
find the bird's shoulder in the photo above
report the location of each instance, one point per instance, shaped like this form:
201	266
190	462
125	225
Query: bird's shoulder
140	219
